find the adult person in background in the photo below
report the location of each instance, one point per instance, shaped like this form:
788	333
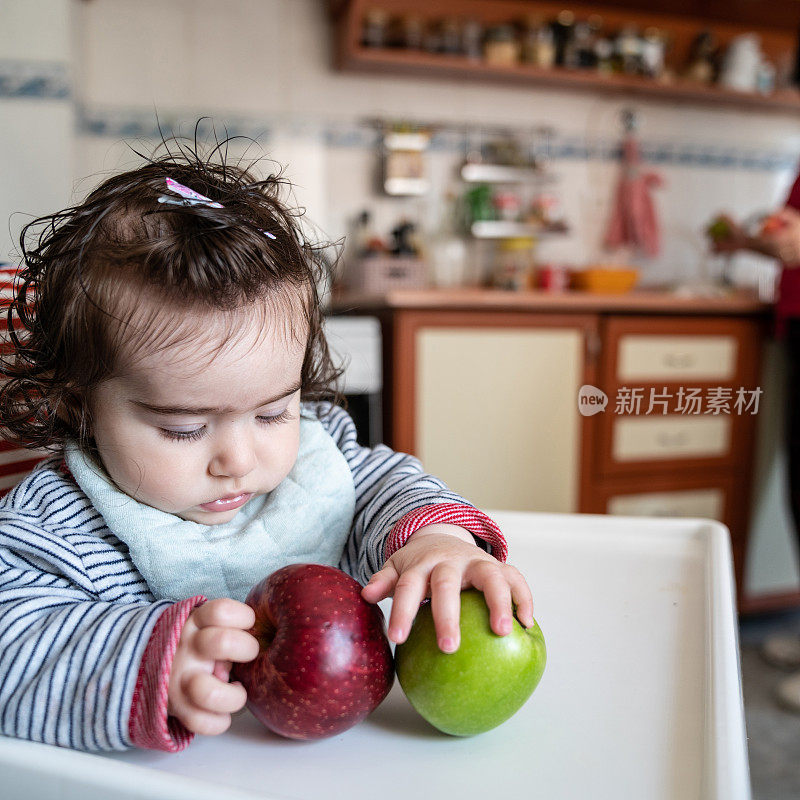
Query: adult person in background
779	237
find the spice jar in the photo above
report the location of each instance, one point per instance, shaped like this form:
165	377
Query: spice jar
538	47
413	31
513	265
507	204
501	47
451	36
472	39
376	23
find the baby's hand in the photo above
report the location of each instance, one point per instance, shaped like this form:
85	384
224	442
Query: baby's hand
439	561
214	636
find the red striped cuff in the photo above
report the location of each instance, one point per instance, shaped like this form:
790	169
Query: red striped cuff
476	522
149	725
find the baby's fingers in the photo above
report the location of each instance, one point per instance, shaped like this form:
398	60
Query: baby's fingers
410	591
381	584
488	577
205	723
446	606
521	593
224	612
207	693
226	644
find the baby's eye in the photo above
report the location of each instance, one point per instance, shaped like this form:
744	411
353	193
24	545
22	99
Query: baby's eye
284	416
183	433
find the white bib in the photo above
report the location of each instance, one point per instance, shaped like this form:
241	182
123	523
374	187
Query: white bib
307	518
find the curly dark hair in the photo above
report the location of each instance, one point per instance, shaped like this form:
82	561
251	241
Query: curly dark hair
85	268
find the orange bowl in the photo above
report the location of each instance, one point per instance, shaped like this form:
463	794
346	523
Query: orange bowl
605	280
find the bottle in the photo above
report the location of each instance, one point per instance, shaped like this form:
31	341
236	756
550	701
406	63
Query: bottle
376	23
362	235
447	251
629	51
583	46
653	53
472	39
403	240
563	28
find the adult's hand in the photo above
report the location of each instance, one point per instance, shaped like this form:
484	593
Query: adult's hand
783	236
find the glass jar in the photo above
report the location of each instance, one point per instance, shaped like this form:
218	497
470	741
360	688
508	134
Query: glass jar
501	47
472	39
413	31
451	36
507	205
375	31
513	266
538	48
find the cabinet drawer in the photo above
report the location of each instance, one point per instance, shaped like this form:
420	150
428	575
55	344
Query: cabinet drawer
644	357
708	503
670	437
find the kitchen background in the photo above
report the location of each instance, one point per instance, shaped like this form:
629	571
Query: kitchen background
81	82
77	77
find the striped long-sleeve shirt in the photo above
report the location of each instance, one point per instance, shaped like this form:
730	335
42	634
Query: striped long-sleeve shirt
86	649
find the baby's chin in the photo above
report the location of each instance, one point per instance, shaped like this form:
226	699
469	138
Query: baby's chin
209	517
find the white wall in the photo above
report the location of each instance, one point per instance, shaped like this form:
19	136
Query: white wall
37	139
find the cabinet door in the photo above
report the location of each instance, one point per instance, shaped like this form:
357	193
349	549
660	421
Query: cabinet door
496	413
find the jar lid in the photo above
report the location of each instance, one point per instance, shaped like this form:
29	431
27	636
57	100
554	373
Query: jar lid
517	243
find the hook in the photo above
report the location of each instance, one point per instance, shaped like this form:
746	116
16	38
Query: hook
630	119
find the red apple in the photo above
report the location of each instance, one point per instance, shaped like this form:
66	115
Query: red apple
325	662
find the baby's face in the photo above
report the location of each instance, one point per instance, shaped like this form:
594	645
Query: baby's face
198	433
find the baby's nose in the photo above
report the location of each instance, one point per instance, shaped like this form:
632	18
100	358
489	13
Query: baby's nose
235	459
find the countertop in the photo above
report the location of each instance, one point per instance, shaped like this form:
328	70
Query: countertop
648	301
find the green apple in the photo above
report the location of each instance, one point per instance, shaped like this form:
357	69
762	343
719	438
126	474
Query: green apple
483	683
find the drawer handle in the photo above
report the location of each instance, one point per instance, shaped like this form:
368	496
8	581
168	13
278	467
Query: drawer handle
679	360
672	439
662	511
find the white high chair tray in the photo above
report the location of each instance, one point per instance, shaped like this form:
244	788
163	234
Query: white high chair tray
641	696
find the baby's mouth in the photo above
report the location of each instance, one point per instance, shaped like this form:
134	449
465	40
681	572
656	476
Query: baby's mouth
227	503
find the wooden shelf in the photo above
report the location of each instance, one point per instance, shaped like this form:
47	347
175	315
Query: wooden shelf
430	66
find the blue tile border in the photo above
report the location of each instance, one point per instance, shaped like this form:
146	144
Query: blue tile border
42	80
141	124
51	80
573	148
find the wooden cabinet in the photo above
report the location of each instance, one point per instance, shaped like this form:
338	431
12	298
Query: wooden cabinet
494	406
681	442
486	395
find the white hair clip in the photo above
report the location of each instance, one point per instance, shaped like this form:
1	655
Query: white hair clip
192	198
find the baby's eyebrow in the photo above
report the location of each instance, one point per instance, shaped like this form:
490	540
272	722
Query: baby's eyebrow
199	410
